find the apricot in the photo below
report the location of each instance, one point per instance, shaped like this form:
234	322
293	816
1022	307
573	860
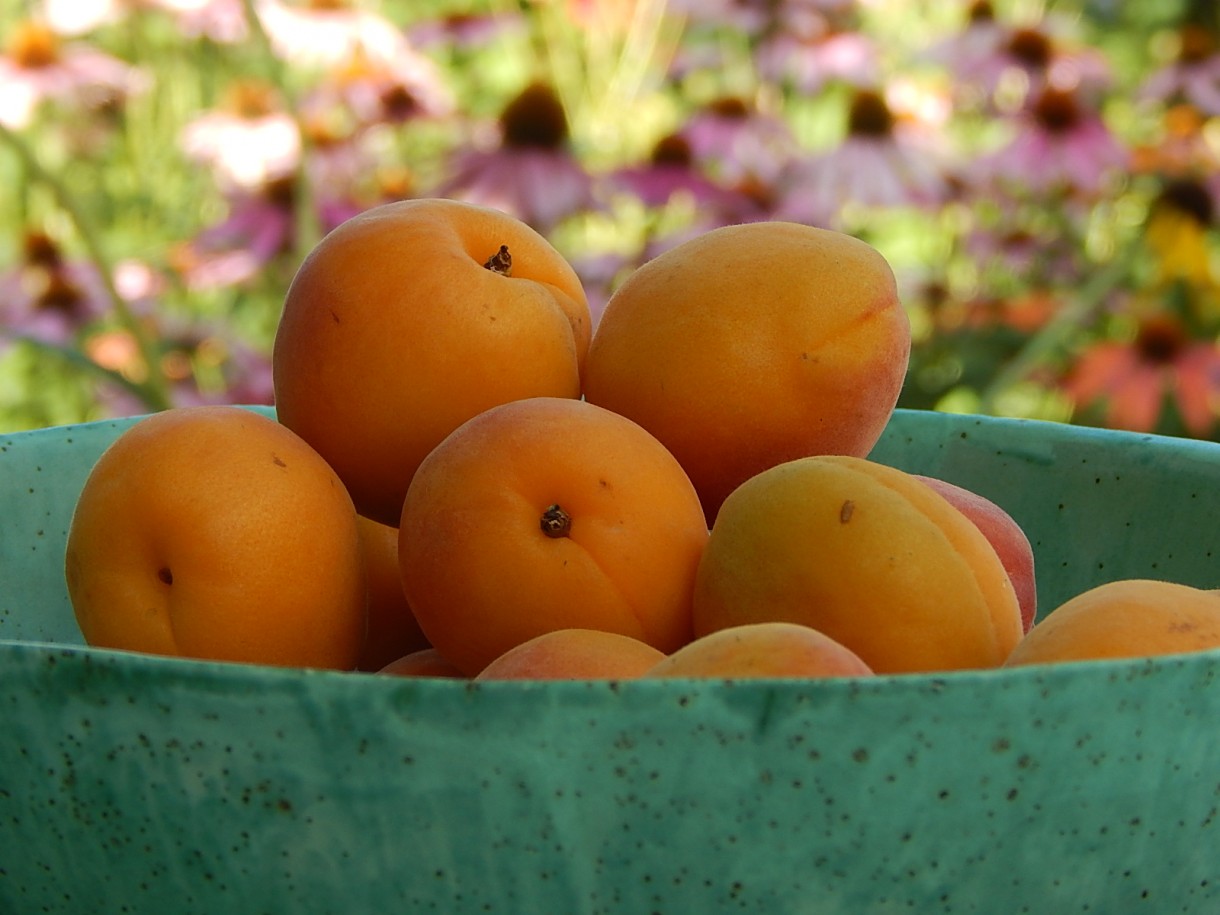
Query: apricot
214	532
412	317
1126	618
751	345
549	513
426	662
864	553
1006	536
774	649
392	628
574	654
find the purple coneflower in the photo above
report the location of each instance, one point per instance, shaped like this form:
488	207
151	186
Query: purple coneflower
670	173
882	162
531	172
1060	146
258	228
47	297
735	141
1194	77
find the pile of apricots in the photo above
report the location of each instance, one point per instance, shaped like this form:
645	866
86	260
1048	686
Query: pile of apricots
464	478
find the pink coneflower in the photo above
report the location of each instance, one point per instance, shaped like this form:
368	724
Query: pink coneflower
378	92
1005	64
1132	380
249	140
1194	77
734	140
878	164
48	297
670	173
1060	147
37	67
532	172
464	31
811	50
324	33
221	21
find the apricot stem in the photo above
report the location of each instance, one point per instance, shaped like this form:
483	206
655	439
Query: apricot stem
555	522
501	262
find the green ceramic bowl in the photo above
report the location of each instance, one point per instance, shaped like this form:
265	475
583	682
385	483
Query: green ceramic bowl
142	784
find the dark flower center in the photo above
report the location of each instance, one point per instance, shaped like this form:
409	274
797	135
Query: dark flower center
869	115
980	11
535	119
1189	197
1056	110
33	46
250	99
58	293
672	150
41	251
1031	48
281	192
1197	44
730	107
1160	340
398	103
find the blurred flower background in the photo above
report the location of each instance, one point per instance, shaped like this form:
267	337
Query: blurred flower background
1043	176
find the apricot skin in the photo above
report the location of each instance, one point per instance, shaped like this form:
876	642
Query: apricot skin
574	654
866	554
1126	618
751	345
754	650
426	662
1005	535
393	333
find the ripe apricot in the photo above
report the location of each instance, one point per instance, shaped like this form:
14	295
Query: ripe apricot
1006	536
392	629
215	532
549	513
574	654
866	554
1126	618
751	345
774	649
410	318
426	662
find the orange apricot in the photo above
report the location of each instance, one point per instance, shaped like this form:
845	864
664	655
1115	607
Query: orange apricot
412	317
751	345
392	628
549	513
426	662
1006	536
1125	618
574	654
215	532
773	649
867	555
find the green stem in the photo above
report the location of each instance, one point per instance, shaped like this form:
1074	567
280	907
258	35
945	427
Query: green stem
78	359
154	391
1054	335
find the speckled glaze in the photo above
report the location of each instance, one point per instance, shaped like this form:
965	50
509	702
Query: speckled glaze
143	784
